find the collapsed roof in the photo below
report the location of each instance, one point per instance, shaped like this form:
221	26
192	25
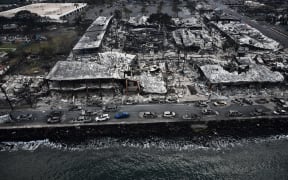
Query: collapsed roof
109	66
152	84
94	34
187	38
247	35
256	74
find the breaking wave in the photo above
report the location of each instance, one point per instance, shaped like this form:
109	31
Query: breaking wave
177	144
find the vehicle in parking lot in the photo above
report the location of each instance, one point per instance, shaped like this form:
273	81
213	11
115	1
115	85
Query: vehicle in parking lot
121	115
169	114
149	115
220	103
102	117
25	117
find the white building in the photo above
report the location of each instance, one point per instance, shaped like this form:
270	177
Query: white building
54	11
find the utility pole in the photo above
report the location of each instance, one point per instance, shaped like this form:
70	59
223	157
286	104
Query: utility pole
9	102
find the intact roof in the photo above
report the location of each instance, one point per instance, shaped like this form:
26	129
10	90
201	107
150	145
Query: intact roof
51	10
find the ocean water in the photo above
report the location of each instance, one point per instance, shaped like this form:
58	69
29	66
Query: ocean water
150	158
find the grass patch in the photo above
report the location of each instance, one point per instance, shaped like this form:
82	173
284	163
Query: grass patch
60	43
8	45
57	47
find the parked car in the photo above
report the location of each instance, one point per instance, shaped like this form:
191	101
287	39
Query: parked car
79	119
209	112
121	115
102	117
149	115
191	116
54	117
220	103
202	104
247	101
280	112
25	117
233	113
74	108
157	101
5	118
53	120
171	100
130	102
237	101
169	114
262	101
110	108
257	112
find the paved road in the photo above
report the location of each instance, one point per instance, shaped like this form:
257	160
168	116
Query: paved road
267	29
40	117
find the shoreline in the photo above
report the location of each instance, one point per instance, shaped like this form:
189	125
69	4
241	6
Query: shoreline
240	126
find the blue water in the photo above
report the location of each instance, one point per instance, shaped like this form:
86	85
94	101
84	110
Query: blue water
151	158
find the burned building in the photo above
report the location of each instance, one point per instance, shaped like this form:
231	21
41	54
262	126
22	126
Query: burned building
107	73
256	74
91	41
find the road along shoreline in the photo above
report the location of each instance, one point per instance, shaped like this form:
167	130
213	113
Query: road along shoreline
230	126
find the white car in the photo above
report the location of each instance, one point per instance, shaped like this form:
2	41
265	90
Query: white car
103	117
278	112
220	103
169	114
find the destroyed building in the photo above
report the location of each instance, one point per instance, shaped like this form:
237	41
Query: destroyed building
256	74
107	73
91	41
193	40
246	36
192	23
143	40
138	22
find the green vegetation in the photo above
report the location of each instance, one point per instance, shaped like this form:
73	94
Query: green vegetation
56	44
47	53
8	45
